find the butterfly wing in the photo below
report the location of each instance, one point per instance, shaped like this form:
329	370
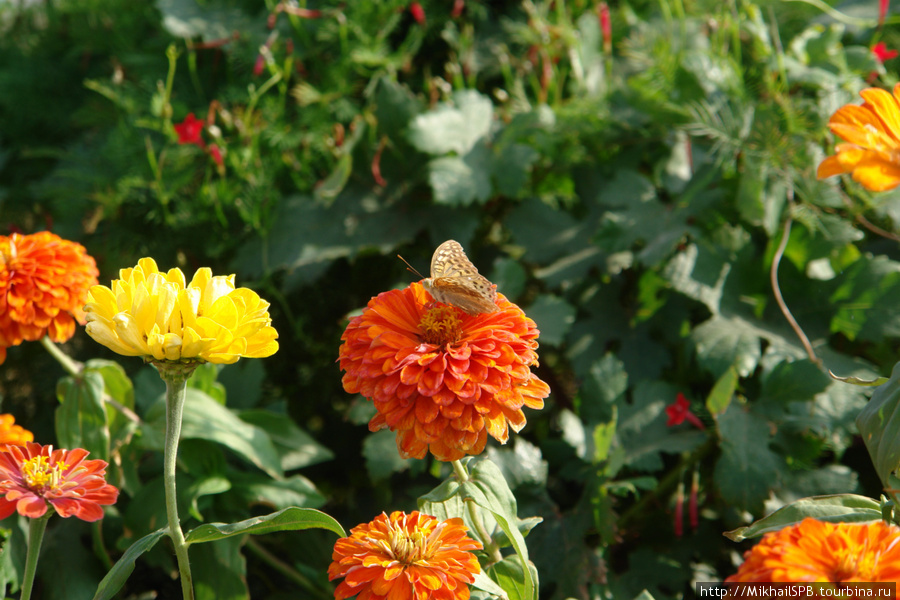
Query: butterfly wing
455	280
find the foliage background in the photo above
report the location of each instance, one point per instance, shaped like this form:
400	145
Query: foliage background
631	197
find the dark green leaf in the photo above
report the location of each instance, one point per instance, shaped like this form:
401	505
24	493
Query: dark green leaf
288	519
117	576
847	508
879	426
81	420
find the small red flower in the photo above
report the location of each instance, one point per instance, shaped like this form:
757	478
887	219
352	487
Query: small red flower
605	26
418	13
458	7
216	154
883	6
33	476
189	131
882	53
680	410
408	557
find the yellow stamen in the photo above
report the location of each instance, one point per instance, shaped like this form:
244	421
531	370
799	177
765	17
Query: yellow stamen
441	325
39	474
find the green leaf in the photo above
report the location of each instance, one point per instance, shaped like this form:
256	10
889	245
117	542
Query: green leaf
288	519
206	419
861	382
747	469
511	167
381	456
553	316
81	420
395	106
722	344
487	488
297	448
329	188
720	397
117	576
509	576
461	180
879	426
794	381
835	508
453	127
220	571
258	489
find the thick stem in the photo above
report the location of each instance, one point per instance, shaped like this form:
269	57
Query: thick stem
176	385
36	529
490	546
72	366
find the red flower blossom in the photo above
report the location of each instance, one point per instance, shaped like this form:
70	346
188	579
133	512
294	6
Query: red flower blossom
605	26
33	476
440	378
882	53
418	13
44	281
680	410
189	131
413	557
818	551
883	6
216	154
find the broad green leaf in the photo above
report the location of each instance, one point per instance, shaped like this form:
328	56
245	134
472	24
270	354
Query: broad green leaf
288	519
297	448
453	127
81	420
117	576
747	469
794	381
485	583
380	453
521	465
722	344
205	378
14	540
120	392
836	508
259	489
461	180
395	106
511	167
879	426
329	188
553	316
220	571
509	576
206	419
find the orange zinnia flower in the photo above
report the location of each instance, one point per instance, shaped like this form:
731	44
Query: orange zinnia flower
44	281
412	556
33	476
10	433
819	551
440	378
872	133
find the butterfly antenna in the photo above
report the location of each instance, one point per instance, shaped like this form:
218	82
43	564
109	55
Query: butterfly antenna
409	267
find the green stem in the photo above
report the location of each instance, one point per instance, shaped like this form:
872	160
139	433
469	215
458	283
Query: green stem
72	366
36	529
176	377
490	546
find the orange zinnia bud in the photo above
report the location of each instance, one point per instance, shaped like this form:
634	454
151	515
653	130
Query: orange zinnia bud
10	433
412	556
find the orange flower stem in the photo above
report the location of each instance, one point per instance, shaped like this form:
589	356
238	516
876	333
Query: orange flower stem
490	546
175	375
72	366
36	528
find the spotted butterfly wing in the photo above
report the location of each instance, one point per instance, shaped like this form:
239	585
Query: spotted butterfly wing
455	280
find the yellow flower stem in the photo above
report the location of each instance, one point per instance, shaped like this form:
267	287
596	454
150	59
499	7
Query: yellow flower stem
72	366
36	529
490	546
175	375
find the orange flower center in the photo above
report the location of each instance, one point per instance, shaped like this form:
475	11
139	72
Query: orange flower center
408	548
39	474
441	325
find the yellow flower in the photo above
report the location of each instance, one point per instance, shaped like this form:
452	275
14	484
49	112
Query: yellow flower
156	315
872	133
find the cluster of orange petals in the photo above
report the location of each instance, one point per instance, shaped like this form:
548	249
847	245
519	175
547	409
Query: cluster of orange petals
10	433
871	153
44	281
414	557
819	551
440	378
33	477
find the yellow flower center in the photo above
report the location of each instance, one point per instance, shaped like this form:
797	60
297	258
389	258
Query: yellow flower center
40	475
441	325
408	548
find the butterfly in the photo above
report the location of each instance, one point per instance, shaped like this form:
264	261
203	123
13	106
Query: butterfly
455	280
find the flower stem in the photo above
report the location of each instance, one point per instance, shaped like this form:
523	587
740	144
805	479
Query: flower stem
71	366
36	529
490	546
176	385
